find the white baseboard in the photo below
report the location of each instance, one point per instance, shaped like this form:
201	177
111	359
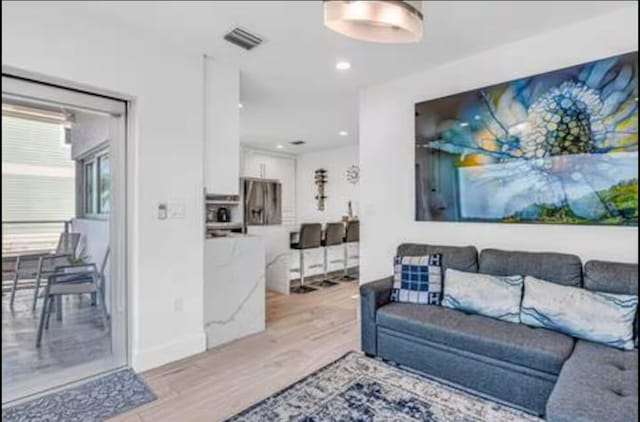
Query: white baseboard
143	360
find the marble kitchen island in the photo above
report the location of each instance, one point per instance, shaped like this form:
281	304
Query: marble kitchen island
234	288
276	242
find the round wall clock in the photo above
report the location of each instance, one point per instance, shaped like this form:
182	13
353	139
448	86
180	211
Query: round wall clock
353	174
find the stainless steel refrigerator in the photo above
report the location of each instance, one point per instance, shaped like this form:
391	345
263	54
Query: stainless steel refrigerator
262	202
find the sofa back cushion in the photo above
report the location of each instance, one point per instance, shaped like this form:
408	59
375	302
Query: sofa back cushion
555	267
462	258
611	277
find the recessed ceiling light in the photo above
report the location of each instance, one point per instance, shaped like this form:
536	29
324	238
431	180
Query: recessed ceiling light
343	65
279	146
343	133
464	124
240	105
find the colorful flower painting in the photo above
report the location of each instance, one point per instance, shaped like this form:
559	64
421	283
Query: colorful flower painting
559	148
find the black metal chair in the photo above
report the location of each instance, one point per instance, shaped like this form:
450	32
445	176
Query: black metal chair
333	236
310	238
352	235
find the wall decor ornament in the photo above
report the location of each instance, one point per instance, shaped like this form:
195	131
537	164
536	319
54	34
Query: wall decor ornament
556	148
321	181
353	174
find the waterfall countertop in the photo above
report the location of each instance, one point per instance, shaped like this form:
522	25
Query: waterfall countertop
234	287
276	242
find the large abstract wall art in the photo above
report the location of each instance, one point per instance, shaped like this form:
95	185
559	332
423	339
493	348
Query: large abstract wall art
557	148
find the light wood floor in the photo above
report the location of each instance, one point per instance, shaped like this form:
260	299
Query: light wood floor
304	333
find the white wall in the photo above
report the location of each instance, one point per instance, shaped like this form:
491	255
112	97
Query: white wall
88	132
165	256
338	190
387	148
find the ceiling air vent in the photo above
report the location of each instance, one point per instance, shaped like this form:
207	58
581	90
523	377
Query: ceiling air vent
243	39
298	142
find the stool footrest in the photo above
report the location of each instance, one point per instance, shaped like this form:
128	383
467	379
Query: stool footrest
302	289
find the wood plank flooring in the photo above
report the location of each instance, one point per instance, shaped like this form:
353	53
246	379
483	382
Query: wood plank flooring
304	333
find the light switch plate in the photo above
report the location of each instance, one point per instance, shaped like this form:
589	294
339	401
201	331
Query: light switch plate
176	210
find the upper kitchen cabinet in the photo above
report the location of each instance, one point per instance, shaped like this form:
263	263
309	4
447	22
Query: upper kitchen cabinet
221	127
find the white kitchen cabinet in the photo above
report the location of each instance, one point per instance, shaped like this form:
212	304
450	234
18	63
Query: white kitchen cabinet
221	128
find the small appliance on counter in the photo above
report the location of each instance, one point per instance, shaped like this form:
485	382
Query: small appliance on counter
223	215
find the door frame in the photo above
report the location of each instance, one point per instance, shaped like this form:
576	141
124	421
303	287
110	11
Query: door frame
35	87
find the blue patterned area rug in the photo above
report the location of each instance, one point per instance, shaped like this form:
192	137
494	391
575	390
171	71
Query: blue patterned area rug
358	388
92	401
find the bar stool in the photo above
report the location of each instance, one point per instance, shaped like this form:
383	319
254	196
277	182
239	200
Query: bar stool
333	236
310	238
352	236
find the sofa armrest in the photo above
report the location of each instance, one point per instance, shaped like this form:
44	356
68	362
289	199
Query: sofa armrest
373	295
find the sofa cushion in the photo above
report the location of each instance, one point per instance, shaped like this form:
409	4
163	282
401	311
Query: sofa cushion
535	348
611	277
605	318
558	268
597	383
463	258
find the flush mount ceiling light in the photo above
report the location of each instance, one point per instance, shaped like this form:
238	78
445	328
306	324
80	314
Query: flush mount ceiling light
343	133
390	21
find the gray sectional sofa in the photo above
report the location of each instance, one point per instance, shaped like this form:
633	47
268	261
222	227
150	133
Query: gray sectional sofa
539	370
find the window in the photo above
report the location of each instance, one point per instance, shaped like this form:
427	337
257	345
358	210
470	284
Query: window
97	185
104	183
89	187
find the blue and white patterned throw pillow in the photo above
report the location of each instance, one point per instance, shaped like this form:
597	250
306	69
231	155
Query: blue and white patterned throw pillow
417	279
595	316
483	294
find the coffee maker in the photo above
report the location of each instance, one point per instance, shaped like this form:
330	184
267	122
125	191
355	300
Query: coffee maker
223	215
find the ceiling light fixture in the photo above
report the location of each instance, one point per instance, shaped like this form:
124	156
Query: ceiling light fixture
240	105
279	146
391	21
343	133
343	65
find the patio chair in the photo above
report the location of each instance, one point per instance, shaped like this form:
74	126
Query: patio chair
101	278
38	265
70	280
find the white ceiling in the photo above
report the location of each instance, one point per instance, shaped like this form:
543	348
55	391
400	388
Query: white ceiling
289	85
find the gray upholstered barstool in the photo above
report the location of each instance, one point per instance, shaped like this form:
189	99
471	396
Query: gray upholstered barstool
333	236
310	238
352	235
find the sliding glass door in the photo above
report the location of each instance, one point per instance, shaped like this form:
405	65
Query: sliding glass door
64	288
